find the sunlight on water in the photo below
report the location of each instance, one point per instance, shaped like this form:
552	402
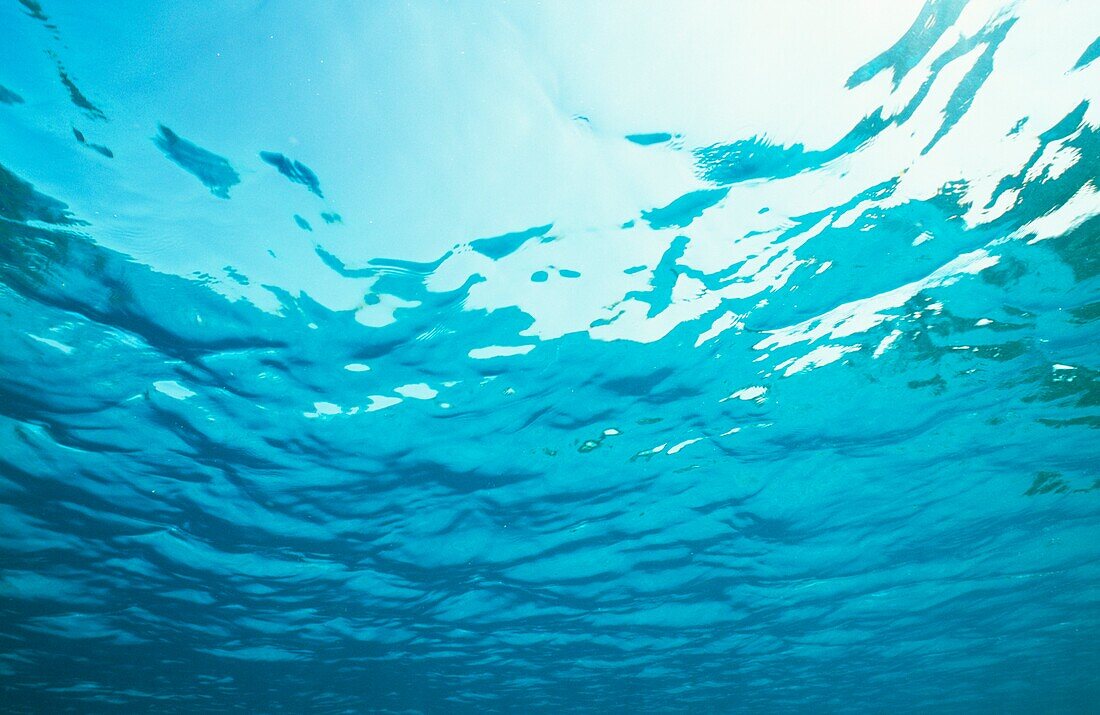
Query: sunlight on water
630	357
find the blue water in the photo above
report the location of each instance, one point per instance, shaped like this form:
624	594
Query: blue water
489	357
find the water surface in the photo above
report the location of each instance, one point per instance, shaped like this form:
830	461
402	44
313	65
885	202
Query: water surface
484	357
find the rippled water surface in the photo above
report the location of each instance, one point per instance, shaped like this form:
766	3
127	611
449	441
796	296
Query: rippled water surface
490	357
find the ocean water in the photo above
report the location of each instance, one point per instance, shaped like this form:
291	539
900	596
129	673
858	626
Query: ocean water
489	357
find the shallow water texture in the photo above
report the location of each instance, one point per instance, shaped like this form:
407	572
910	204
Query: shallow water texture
562	357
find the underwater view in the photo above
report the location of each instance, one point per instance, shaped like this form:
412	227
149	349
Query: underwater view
494	357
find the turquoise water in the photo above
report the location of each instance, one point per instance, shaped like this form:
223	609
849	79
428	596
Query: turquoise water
501	357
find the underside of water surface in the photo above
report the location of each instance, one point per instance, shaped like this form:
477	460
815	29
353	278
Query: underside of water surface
549	357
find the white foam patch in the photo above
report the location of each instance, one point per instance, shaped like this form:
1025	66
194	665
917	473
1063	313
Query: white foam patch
1082	206
324	409
416	391
493	351
676	448
885	343
381	402
819	357
173	389
748	393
